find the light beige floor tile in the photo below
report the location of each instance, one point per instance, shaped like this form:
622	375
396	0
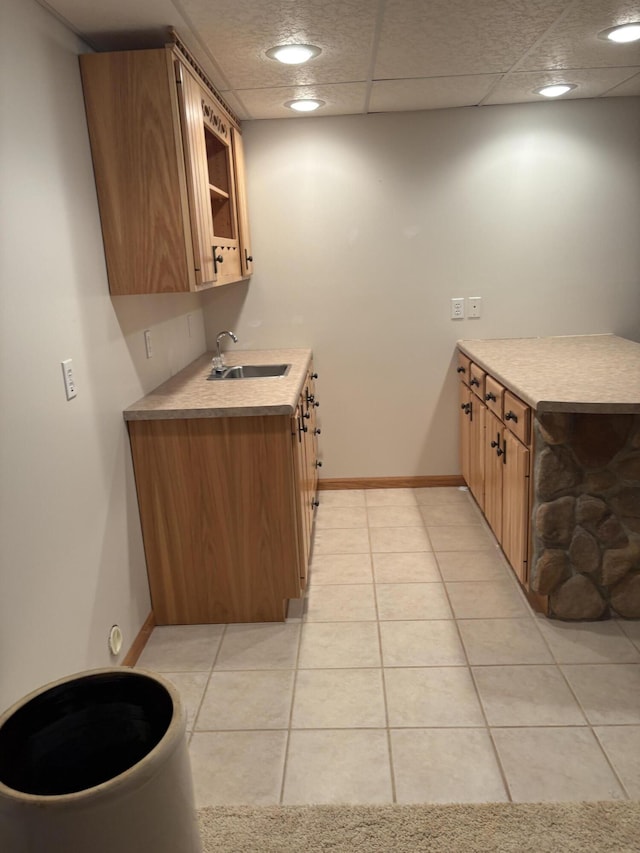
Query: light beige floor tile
327	645
256	699
338	541
340	516
472	565
441	495
432	696
340	766
431	643
389	497
503	641
555	765
179	648
340	568
338	698
631	629
486	600
341	497
394	516
450	513
341	603
526	696
412	601
446	766
418	567
460	537
399	539
588	642
609	693
191	686
622	745
237	768
264	645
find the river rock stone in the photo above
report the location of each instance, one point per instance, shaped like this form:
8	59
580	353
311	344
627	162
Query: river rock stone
556	473
618	562
555	521
555	427
629	468
590	510
625	597
550	570
599	482
584	551
596	440
611	532
626	505
577	598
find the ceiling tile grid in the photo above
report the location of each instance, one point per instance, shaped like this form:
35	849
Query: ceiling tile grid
520	86
430	93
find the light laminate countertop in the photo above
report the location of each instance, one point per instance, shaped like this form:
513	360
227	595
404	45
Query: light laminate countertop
581	373
189	394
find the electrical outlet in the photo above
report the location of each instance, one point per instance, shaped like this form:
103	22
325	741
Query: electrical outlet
69	381
457	308
147	343
475	306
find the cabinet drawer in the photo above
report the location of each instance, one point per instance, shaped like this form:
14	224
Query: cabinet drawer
494	395
463	367
517	417
476	380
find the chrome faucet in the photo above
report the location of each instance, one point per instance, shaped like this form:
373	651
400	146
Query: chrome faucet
218	359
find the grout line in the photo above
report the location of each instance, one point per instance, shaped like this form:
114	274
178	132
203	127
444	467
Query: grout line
293	698
206	686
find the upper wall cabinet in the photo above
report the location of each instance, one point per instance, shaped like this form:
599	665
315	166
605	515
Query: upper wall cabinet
169	171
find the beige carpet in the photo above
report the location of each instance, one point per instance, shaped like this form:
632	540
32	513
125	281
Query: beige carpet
608	827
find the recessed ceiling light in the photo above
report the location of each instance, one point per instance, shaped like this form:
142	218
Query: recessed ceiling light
622	34
555	90
293	54
305	105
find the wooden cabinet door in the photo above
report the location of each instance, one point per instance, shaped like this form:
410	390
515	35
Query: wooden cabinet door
477	432
246	257
515	504
465	433
300	433
493	473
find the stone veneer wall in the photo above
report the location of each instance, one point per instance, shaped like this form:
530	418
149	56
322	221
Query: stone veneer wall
586	514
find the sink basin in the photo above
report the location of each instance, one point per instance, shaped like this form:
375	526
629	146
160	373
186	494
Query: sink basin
252	371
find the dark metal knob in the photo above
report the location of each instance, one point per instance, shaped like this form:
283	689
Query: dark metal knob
494	444
460	370
317	431
314	375
315	403
314	503
475	381
310	399
499	451
307	415
490	396
248	258
510	416
318	463
219	259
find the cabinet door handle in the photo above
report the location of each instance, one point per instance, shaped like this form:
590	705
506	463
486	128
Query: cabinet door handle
314	375
475	381
248	258
501	451
494	444
317	431
217	259
314	503
466	407
490	396
460	370
510	416
307	415
318	463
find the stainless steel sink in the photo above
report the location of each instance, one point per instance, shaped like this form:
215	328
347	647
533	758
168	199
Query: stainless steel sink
252	371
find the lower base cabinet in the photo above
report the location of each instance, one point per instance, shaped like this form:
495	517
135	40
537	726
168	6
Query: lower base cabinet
221	507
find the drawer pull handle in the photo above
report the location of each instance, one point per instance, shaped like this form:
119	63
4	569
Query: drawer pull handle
510	416
461	370
475	381
490	396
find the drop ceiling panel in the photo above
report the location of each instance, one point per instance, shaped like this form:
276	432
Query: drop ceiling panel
341	98
453	37
574	42
430	93
519	87
239	31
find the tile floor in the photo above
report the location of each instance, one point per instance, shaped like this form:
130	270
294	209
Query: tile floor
413	671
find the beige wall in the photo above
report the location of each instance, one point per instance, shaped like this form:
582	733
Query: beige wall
71	558
365	227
